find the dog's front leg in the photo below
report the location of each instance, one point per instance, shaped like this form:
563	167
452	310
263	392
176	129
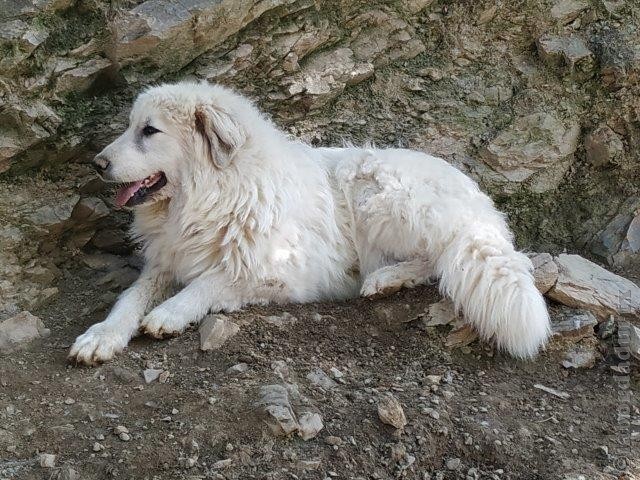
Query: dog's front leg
208	292
103	340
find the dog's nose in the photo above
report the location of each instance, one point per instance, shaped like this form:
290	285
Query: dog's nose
100	163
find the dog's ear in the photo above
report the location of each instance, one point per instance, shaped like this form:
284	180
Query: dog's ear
223	136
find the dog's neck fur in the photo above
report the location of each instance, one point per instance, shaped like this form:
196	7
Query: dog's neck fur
236	206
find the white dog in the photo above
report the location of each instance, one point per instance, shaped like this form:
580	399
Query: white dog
236	213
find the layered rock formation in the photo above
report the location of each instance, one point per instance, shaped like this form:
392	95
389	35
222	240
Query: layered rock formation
538	100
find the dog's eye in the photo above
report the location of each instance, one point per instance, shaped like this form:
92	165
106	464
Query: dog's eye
149	130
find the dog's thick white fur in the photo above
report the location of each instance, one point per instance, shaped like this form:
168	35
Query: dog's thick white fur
250	216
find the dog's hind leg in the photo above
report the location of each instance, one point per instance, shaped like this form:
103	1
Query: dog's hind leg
389	279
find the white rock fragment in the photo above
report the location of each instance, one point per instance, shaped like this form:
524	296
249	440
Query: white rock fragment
320	379
434	379
122	432
215	330
453	463
237	369
280	415
390	412
47	460
220	464
19	330
552	391
310	425
151	374
583	284
164	377
579	357
282	320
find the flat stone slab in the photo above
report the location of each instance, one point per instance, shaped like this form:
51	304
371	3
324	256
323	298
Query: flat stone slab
584	284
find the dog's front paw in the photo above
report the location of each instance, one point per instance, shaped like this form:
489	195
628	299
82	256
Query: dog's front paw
161	323
98	344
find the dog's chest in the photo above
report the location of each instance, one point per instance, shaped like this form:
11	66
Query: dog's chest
188	245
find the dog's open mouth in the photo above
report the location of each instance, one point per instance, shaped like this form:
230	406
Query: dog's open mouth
135	193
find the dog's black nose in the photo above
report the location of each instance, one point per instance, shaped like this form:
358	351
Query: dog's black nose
100	164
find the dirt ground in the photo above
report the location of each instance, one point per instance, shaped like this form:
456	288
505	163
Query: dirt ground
472	413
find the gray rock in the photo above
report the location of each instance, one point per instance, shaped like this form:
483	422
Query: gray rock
23	37
68	473
151	374
309	425
583	284
545	271
82	76
55	218
274	400
282	320
237	369
47	460
568	54
440	313
612	243
89	210
532	143
566	11
17	331
580	356
171	33
327	74
111	240
103	261
632	333
628	255
390	412
453	464
23	124
319	378
603	146
215	330
552	391
573	324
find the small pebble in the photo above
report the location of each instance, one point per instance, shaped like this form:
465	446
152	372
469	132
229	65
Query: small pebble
47	460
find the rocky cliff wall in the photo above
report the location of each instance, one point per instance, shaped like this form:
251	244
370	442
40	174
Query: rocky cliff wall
538	100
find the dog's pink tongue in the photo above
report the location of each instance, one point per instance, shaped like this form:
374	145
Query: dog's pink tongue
126	192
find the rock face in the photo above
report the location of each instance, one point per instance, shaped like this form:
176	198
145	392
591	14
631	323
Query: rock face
583	284
548	131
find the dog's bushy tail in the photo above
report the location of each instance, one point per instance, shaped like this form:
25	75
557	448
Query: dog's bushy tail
493	286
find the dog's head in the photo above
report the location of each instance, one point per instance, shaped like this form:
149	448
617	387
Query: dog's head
174	132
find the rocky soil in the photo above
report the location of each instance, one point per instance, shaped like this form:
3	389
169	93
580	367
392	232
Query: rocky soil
304	392
537	100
